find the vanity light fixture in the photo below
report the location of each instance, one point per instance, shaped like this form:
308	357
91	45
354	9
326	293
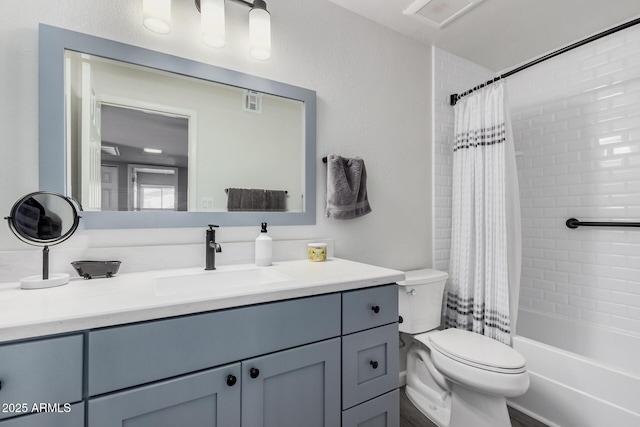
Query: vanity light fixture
152	150
157	18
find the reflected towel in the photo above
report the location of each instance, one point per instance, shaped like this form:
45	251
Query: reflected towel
346	187
33	220
234	199
243	199
27	219
275	200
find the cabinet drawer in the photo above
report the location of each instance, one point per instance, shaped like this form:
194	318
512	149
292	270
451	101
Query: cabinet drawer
369	364
368	308
126	356
45	371
73	418
209	398
383	411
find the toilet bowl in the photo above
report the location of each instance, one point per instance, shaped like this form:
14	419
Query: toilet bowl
454	377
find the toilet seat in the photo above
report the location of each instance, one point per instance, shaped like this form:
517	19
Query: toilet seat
475	350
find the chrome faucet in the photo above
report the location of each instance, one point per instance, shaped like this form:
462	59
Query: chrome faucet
211	247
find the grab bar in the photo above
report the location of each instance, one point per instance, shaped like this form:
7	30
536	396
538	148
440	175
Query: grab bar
575	223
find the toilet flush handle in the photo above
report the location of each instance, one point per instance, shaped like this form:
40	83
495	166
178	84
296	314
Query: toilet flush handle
411	292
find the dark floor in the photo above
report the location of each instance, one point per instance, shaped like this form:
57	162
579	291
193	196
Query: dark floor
411	417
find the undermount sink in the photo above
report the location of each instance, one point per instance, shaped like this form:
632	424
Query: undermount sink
218	281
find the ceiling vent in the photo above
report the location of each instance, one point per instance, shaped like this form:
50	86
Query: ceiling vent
111	150
252	101
439	13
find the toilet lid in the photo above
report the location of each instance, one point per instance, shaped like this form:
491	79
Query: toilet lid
477	350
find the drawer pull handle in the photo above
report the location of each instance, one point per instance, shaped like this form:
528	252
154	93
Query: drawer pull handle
253	373
231	380
374	364
376	309
0	384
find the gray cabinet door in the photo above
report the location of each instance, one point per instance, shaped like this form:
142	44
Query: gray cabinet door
293	387
69	416
383	411
40	371
206	399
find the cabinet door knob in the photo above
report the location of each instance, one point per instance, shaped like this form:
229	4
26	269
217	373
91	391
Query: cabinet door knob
231	380
253	373
376	309
374	364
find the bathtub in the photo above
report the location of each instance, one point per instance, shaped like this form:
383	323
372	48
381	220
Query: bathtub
581	375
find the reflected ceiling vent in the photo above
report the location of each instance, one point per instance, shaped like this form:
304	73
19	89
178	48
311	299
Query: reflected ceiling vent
439	13
111	150
252	101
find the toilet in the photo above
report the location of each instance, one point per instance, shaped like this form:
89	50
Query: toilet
456	378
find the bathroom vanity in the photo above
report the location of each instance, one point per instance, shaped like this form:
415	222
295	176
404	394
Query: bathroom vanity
298	343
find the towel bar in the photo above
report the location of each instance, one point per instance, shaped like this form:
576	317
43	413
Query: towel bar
226	190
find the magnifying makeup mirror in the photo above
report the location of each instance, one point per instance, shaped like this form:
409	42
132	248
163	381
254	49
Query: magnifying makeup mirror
43	219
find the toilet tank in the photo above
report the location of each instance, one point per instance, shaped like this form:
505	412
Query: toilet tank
420	300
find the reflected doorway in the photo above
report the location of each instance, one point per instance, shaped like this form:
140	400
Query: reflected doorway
153	188
144	159
109	187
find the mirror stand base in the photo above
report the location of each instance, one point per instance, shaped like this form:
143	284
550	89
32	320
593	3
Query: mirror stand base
37	282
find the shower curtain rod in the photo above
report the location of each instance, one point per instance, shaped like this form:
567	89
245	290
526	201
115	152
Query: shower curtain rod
454	97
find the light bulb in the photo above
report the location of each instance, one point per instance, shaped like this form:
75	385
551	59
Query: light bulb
212	22
259	31
156	15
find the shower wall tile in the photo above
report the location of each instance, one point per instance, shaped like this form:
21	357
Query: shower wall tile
451	74
576	119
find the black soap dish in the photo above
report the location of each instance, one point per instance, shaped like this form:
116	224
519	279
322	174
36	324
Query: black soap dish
89	269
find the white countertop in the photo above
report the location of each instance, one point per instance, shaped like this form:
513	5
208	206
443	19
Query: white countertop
126	298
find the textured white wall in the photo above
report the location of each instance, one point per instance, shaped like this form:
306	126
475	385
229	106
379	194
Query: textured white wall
373	88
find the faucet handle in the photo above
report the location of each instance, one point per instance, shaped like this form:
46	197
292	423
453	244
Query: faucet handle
213	225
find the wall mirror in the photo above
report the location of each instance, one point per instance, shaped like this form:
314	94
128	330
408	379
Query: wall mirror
145	139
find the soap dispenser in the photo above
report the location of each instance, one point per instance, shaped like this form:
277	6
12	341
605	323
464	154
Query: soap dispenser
264	247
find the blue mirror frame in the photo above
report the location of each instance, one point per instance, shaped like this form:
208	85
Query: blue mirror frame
53	41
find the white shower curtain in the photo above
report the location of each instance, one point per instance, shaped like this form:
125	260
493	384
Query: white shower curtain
484	271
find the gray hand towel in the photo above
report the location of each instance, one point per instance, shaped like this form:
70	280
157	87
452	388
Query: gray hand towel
346	187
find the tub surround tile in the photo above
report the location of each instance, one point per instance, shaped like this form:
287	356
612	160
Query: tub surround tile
575	121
